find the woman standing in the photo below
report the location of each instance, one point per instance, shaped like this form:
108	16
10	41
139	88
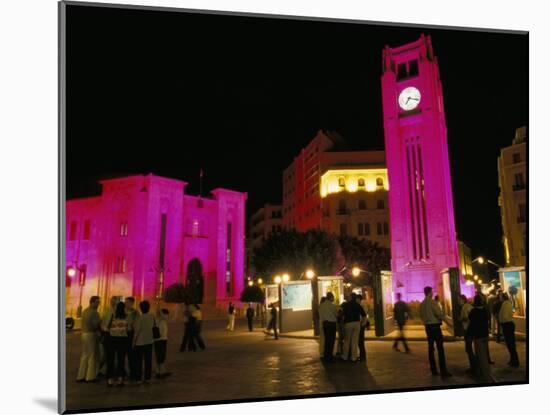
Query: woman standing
118	334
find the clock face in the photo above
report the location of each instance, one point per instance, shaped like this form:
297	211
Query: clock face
409	98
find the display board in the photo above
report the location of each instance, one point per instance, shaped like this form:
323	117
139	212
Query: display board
451	307
296	306
513	282
383	303
333	284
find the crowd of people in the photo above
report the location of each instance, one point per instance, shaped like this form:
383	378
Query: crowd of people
119	345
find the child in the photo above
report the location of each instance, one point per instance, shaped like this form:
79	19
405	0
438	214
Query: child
160	343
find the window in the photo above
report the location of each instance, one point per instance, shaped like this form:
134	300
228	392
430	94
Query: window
367	229
519	183
362	204
379	182
379	228
413	68
72	230
124	228
360	229
522	213
86	235
386	228
120	265
342	182
401	71
343	229
516	158
380	204
361	182
195	228
342	208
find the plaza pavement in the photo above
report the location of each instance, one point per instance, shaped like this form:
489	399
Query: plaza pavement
241	365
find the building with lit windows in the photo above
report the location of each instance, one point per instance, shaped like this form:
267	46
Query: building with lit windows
144	233
266	220
339	191
512	180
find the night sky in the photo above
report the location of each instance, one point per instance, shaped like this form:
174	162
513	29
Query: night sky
169	93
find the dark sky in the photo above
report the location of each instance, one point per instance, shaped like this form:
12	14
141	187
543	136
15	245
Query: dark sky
169	93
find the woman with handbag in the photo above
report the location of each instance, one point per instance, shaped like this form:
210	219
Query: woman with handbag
118	343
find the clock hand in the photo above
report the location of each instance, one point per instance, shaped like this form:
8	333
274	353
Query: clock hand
416	99
407	101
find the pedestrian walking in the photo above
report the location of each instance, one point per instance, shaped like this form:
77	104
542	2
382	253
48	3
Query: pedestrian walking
250	316
362	328
465	309
143	343
401	313
505	317
352	313
273	322
118	343
478	330
431	315
197	327
231	317
160	344
189	327
328	317
89	337
131	316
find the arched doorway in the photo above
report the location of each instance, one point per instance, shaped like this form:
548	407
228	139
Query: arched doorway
195	280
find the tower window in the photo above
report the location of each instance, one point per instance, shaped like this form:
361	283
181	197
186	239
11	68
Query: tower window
413	68
401	71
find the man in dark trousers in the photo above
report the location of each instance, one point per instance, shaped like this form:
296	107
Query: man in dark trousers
506	319
432	316
401	313
273	321
328	316
362	328
250	316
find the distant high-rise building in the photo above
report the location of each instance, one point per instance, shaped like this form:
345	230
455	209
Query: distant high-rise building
512	180
266	220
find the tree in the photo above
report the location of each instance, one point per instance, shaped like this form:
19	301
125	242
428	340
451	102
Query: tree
293	252
252	294
365	254
178	294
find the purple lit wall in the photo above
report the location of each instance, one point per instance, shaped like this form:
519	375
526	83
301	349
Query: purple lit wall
118	237
423	236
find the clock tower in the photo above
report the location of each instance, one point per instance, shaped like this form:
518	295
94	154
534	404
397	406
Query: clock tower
423	237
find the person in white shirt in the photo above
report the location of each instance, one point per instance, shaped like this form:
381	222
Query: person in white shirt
506	320
328	316
231	317
143	343
161	343
432	316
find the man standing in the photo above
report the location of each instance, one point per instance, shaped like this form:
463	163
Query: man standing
250	316
273	322
131	317
401	313
90	331
432	316
362	328
505	318
465	309
231	317
328	315
495	311
352	312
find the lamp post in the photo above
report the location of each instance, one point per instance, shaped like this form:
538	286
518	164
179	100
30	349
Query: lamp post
312	276
161	271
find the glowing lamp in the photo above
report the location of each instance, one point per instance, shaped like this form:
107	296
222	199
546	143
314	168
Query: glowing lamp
260	281
481	260
310	274
355	271
278	279
476	277
71	272
286	277
250	283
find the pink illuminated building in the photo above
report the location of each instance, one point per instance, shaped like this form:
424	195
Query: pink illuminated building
143	233
423	237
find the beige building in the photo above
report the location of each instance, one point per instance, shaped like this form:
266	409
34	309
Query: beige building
512	180
268	219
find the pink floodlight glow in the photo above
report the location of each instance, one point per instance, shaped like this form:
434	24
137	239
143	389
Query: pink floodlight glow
143	233
423	235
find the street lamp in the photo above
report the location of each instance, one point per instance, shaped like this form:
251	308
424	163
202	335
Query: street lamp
71	272
310	274
250	283
286	277
278	279
260	281
355	271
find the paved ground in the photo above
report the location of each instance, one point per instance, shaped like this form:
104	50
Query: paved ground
243	365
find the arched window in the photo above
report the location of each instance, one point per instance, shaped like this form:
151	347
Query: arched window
361	182
362	204
341	182
379	182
